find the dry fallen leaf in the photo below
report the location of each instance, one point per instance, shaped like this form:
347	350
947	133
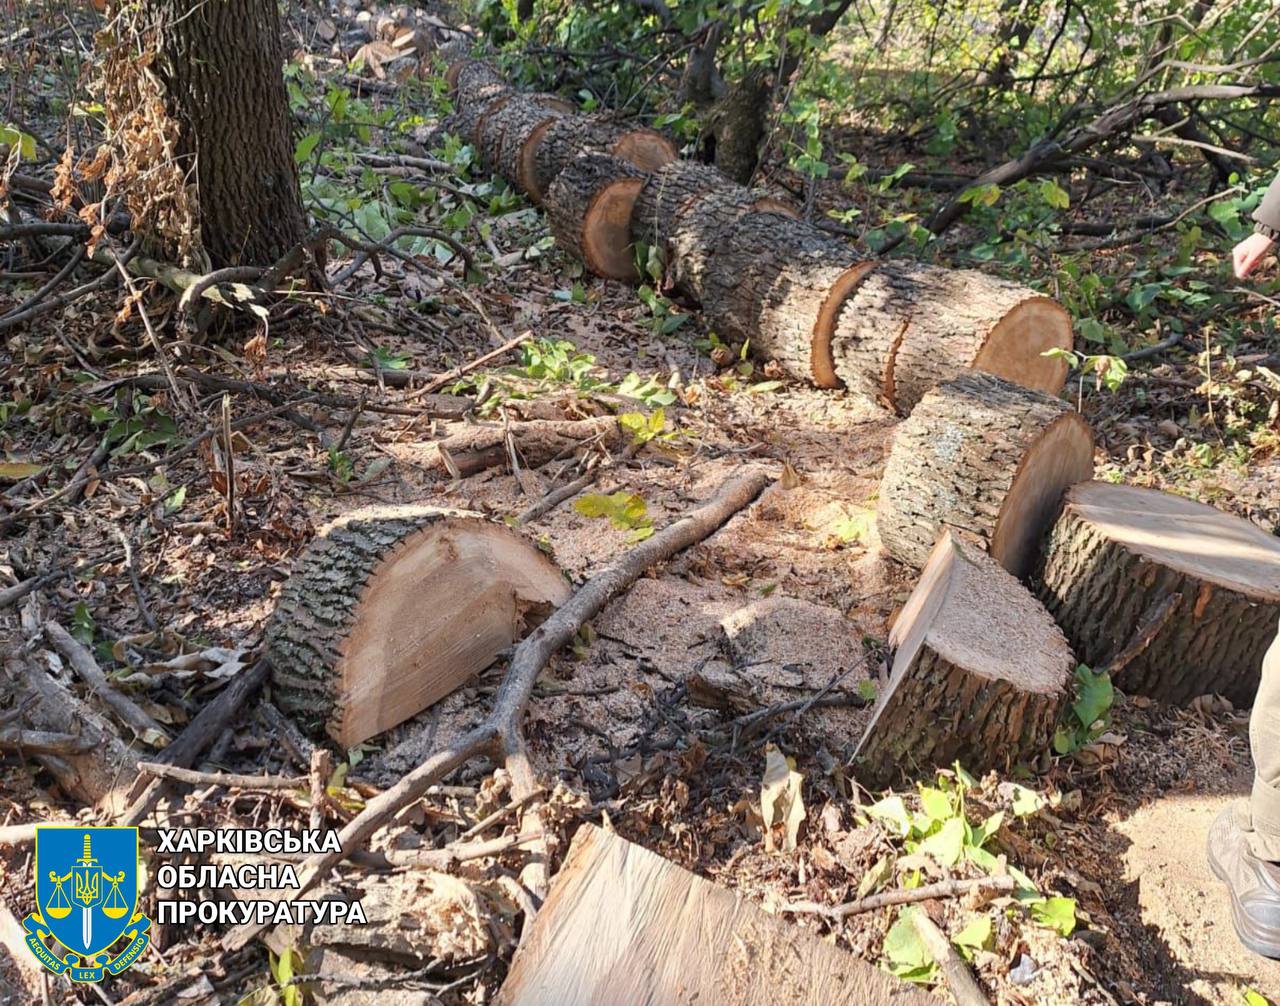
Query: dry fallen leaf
781	801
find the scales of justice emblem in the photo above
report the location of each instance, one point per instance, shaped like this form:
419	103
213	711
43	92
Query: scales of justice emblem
87	893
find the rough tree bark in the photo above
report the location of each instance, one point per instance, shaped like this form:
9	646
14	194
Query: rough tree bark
986	457
219	65
1175	598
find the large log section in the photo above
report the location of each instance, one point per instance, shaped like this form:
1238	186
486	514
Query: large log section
566	138
683	210
623	925
1175	598
910	326
589	208
393	608
780	283
979	672
986	457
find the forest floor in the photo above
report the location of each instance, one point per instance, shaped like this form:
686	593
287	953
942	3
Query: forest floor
1120	827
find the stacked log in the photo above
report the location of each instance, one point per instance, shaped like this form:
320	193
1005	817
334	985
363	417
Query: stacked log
561	142
392	608
979	674
1174	597
987	457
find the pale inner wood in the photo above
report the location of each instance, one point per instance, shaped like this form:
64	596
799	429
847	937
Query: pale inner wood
820	359
1183	534
1015	347
437	612
1061	457
647	150
606	229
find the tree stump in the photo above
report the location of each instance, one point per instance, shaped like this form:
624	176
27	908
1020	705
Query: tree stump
683	209
1175	598
393	608
589	208
987	457
563	140
909	327
980	672
781	283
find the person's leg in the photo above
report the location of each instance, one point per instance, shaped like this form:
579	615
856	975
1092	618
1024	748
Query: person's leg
1244	842
1263	824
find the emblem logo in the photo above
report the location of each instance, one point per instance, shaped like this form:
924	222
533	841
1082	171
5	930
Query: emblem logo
87	898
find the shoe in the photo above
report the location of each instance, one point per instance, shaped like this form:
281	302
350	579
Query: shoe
1254	885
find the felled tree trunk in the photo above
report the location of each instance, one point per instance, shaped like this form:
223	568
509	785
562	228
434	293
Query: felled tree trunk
986	457
1175	598
535	442
564	140
736	126
781	284
683	210
220	66
392	609
980	671
909	327
589	208
502	133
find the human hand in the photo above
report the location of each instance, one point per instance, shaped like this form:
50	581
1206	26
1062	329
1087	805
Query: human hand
1249	252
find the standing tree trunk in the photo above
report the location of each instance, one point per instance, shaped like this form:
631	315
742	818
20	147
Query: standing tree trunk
218	69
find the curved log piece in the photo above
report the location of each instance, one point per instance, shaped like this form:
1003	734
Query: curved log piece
562	141
781	284
589	208
912	326
1175	598
393	608
503	129
683	209
979	674
986	457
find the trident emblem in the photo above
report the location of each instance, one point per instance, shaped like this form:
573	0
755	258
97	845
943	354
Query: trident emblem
87	877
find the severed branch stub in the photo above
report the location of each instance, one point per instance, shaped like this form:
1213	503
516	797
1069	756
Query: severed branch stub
500	732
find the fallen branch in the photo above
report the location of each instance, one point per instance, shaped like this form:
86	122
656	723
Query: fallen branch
86	667
960	981
229	779
500	731
903	896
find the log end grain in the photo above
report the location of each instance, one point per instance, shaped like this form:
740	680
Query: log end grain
590	205
1016	346
646	149
392	608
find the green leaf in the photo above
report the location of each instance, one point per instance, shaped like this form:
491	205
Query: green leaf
1252	998
892	811
1025	801
1054	194
976	935
625	511
15	470
1056	913
982	834
981	195
82	624
1094	696
867	690
937	804
947	845
12	136
906	953
306	146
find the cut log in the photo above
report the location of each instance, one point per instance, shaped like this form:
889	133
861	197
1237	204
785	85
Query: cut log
466	121
979	674
781	284
393	608
514	118
589	209
909	327
623	925
562	141
469	79
1175	598
684	208
987	457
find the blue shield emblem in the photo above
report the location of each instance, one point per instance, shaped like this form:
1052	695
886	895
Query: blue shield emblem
87	899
